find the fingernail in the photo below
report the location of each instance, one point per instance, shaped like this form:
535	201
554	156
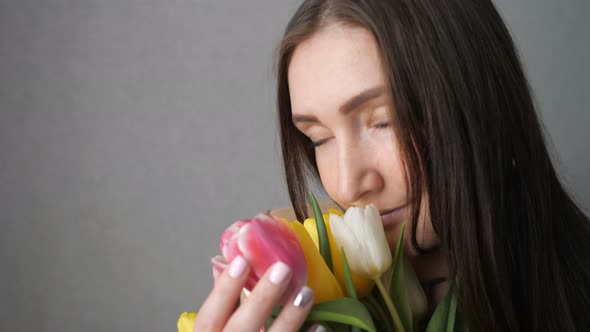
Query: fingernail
219	264
218	260
237	267
303	297
278	273
317	328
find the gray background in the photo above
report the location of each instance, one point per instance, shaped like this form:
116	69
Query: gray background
133	132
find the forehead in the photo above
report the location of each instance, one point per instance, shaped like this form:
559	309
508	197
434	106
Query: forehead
335	63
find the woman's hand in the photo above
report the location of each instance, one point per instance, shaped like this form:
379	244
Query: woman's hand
221	312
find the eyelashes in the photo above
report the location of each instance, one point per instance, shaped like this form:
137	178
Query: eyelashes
317	143
382	125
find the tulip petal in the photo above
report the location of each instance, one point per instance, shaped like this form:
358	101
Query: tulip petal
186	322
264	240
228	243
379	251
364	237
346	237
320	279
361	234
312	230
354	241
362	284
335	211
264	245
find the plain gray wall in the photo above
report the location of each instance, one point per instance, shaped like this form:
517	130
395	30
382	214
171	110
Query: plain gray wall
133	132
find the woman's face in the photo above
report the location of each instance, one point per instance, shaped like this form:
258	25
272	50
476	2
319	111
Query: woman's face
341	101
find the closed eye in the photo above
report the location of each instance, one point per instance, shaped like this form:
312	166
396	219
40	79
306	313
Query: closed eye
382	125
314	144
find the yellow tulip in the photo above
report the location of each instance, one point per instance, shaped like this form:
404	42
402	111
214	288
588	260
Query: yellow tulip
363	285
319	277
186	321
326	285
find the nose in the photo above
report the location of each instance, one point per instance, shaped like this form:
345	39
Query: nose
359	179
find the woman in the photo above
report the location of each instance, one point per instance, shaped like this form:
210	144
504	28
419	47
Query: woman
421	107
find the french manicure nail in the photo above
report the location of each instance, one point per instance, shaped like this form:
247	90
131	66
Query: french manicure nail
278	273
219	263
317	328
218	260
303	297
237	267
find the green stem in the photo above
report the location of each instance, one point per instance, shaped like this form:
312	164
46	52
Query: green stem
397	323
373	302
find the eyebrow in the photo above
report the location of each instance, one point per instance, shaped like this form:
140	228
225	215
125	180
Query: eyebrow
349	106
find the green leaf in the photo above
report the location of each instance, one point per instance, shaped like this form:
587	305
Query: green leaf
323	240
380	317
269	321
444	318
397	288
451	316
346	311
350	290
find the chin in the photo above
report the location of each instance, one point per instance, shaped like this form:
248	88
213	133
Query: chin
427	240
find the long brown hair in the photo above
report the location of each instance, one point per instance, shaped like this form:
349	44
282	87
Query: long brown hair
470	138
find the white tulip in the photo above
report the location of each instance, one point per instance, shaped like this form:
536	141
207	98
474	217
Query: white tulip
360	233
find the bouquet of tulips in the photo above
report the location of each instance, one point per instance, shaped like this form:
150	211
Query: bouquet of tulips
341	261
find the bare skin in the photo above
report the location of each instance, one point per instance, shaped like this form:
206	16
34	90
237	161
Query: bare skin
340	101
220	311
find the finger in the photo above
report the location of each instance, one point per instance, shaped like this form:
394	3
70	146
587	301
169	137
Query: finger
294	312
219	265
252	314
222	300
215	276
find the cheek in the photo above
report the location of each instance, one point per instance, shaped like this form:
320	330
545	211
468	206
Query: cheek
328	169
390	167
383	144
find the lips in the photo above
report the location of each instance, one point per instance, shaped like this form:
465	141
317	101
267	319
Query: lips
392	217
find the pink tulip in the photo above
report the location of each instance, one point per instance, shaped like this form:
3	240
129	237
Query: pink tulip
263	240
